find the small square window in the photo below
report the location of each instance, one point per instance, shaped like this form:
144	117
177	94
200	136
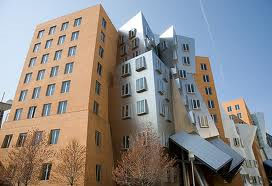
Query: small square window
126	112
40	34
126	70
65	87
61	39
208	90
185	47
21	140
44	58
62	107
36	93
72	51
203	66
31	112
206	78
229	109
182	74
54	136
140	64
28	78
190	88
36	47
18	113
75	36
48	43
68	68
52	30
237	107
40	75
7	141
132	33
195	104
46	109
141	85
23	94
126	90
211	104
50	89
77	22
64	26
32	62
54	71
58	54
186	61
142	107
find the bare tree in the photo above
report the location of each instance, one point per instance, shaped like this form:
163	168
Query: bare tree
71	164
145	162
25	160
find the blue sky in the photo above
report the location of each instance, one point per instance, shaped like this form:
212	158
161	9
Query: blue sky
241	29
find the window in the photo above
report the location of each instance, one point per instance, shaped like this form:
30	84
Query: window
98	173
208	90
28	78
162	107
77	22
203	66
142	107
104	23
52	30
64	26
46	109
237	107
37	137
195	104
68	68
183	74
163	45
185	47
126	112
31	112
101	51
62	107
58	55
126	90
50	89
40	34
135	54
54	136
160	86
72	51
214	117
99	69
206	78
36	92
97	87
135	43
65	87
190	88
32	62
236	142
6	141
102	36
126	70
40	75
140	64
61	39
74	35
97	138
211	104
95	107
186	61
44	58
121	39
141	85
229	109
125	142
36	47
158	66
123	50
203	121
48	43
18	113
255	163
46	169
21	140
22	96
132	33
168	116
239	115
231	117
54	71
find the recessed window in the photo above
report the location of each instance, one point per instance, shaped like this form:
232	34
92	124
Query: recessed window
97	87
203	66
48	43
62	107
195	104
158	66
28	77
126	111
99	69
21	140
104	23
74	35
18	113
58	54
40	34
214	117
97	138
162	107
183	74
186	61
44	58
95	107
236	141
190	88
239	115
102	36
46	109
36	93
141	85
203	121
125	143
135	54
160	86
37	137
140	64
142	107
31	112
36	47
123	50
72	51
237	107
126	70
54	136
185	47
135	43
101	51
65	87
211	104
68	68
40	75
132	33
32	62
121	39
98	173
23	94
52	30
208	90
61	39
126	90
206	78
229	109
46	169
50	89
77	22
7	141
54	71
64	26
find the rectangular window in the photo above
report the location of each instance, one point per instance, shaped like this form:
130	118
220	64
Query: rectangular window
126	112
62	107
140	64
190	88
21	140
77	22
40	75
36	92
28	77
7	141
102	36
162	107
121	39
158	66
185	47
74	36
104	23
23	94
37	137
61	39
40	34
48	43
46	109
54	71
50	89
54	136
101	52
52	30
98	173
95	108
160	86
208	90
99	69
186	61
31	112
97	87
135	54
97	138
64	26
214	117
236	141
126	70
132	33
58	55
195	104
183	74
203	121
36	47
46	169
125	142
123	50
203	66
44	58
135	43
32	62
142	107
211	104
206	78
72	51
237	107
126	90
65	87
68	68
239	115
18	113
229	109
141	85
